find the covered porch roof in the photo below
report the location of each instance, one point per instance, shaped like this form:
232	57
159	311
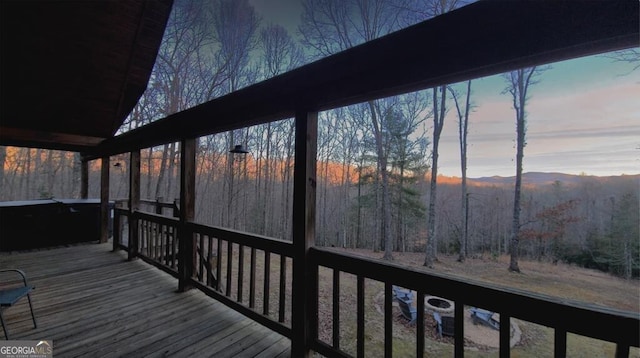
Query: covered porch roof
72	72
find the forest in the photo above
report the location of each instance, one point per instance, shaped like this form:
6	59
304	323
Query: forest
378	183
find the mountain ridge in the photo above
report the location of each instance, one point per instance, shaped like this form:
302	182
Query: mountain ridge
540	178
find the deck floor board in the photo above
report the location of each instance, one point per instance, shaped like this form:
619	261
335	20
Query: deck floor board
93	302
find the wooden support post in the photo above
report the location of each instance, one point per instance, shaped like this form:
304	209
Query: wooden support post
304	310
505	335
104	200
159	205
560	342
187	252
134	202
84	179
458	329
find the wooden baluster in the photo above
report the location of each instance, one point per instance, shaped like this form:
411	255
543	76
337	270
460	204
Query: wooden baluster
560	342
388	320
219	265
154	238
209	259
240	272
458	328
116	231
622	350
174	248
360	317
144	237
150	243
252	279
283	279
420	324
267	283
160	235
336	309
229	266
505	335
167	244
200	257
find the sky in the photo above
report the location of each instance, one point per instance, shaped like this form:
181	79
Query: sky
583	117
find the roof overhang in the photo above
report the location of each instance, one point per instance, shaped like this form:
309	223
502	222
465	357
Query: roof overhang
73	70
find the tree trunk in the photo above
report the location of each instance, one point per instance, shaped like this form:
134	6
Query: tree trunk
439	109
520	132
162	171
174	149
3	158
400	244
385	209
463	130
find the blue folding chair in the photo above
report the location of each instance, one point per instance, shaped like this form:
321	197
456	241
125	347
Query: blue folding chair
11	295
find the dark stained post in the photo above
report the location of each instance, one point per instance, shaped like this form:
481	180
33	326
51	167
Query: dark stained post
104	200
303	305
134	202
159	205
84	179
187	212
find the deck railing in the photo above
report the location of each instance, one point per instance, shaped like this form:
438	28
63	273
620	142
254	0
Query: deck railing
246	272
249	273
619	327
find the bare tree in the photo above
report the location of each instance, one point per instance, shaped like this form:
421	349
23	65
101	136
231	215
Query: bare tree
235	24
174	85
280	52
463	131
422	10
518	83
631	56
330	26
439	112
3	159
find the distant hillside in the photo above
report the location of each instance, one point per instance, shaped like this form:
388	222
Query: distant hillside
538	178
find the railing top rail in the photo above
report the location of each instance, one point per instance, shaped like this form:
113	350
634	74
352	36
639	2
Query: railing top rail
578	317
266	243
276	246
164	204
166	220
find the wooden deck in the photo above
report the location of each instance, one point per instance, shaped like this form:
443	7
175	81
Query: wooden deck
92	302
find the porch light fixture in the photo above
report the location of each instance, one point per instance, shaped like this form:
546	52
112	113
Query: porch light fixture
239	149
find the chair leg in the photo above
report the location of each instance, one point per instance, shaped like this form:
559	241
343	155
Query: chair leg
4	326
33	316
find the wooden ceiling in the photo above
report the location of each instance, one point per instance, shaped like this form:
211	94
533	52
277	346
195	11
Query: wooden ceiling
73	70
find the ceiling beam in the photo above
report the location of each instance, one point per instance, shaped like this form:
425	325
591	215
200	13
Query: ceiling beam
30	138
